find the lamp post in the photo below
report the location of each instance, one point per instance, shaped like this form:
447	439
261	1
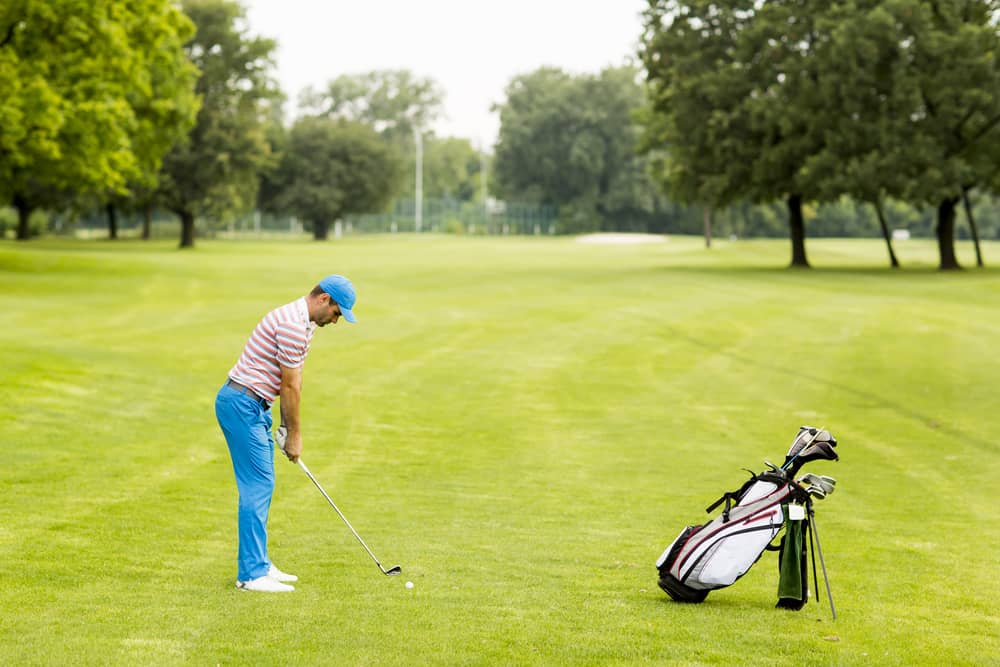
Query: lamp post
418	213
482	186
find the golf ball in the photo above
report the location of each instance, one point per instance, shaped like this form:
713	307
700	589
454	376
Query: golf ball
409	584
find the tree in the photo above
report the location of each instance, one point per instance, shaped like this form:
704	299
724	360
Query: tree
920	78
392	102
451	169
164	103
80	82
214	170
395	103
333	168
568	141
728	115
269	176
701	145
810	100
955	57
860	110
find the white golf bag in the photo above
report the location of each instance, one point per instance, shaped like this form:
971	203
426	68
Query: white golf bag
716	554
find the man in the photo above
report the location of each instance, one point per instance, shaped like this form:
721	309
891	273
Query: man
270	368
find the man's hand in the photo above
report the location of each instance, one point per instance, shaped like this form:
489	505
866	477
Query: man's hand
290	445
293	447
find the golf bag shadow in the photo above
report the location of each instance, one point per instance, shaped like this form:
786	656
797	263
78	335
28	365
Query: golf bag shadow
715	554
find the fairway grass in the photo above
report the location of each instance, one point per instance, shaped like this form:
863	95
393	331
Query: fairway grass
524	424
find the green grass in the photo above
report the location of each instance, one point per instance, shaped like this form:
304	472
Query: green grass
523	424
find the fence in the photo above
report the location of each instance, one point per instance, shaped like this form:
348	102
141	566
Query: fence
457	217
437	215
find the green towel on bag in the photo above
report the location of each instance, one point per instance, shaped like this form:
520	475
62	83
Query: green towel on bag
793	587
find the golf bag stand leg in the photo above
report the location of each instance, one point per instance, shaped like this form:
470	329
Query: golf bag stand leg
819	548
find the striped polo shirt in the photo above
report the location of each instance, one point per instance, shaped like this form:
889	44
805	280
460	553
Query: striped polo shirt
281	338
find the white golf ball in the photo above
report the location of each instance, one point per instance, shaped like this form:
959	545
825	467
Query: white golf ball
409	584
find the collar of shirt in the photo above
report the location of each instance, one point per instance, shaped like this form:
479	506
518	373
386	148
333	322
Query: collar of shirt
303	309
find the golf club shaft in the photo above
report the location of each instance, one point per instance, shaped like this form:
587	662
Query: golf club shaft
341	514
826	579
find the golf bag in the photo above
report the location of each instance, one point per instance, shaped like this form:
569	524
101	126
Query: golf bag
715	554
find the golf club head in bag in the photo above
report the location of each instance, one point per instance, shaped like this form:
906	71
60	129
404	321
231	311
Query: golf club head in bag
810	444
819	486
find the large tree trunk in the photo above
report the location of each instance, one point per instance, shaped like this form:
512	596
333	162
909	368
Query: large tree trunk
797	226
885	233
320	230
972	226
946	234
707	220
187	229
24	210
147	222
112	221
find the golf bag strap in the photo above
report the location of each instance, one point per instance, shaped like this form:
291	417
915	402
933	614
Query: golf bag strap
728	497
733	497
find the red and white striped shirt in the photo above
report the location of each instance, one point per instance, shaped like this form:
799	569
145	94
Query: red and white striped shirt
281	338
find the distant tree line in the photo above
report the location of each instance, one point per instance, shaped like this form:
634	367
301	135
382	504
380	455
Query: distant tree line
747	118
153	105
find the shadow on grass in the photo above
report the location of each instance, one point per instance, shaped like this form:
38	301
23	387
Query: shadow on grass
922	271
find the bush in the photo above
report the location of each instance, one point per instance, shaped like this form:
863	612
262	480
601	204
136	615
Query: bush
8	220
38	222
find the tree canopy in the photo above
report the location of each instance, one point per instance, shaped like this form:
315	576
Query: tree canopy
569	141
452	168
392	102
94	94
809	100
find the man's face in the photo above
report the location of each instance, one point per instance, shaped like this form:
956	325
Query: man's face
330	313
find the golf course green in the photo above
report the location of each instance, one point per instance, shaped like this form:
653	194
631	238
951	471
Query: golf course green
523	424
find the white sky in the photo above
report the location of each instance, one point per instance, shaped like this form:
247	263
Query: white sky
471	48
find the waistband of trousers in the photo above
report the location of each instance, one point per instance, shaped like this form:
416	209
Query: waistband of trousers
243	389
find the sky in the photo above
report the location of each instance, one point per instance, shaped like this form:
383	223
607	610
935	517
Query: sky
471	48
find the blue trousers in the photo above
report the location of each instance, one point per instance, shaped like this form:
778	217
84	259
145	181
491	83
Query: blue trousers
247	427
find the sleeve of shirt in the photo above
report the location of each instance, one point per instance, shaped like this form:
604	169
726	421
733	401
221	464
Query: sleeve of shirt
291	341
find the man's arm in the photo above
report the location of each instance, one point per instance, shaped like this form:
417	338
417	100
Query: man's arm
291	392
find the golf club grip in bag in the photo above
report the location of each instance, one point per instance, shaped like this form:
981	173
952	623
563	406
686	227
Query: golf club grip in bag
716	554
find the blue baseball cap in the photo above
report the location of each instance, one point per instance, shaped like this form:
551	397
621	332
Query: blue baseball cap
341	291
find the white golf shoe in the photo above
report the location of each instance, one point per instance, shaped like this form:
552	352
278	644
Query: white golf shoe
265	584
278	575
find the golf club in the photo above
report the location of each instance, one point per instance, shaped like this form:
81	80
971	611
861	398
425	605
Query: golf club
816	492
279	436
810	451
392	571
802	448
823	482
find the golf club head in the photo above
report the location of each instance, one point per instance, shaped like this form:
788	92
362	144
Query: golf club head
816	492
823	482
393	571
810	444
773	468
